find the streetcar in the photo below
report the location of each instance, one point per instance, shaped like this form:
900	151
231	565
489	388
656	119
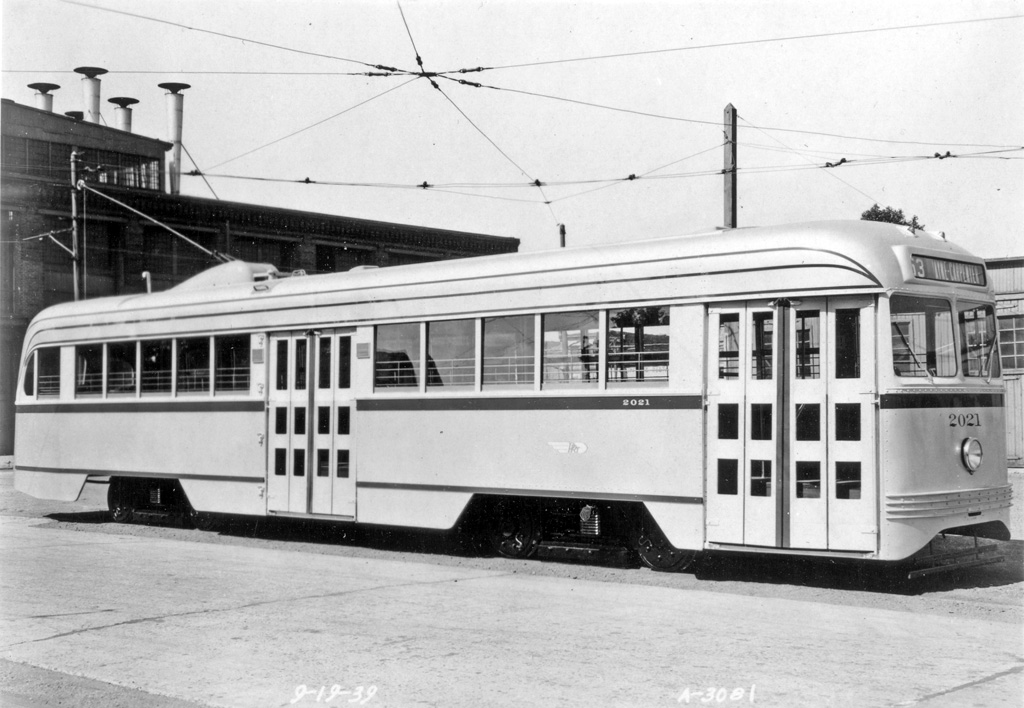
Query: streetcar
823	389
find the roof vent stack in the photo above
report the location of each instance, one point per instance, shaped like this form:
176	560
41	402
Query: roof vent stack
175	102
91	91
123	112
44	101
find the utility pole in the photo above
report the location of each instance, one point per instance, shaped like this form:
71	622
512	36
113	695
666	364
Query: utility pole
74	220
729	170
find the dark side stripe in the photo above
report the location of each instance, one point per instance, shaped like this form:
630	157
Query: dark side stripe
133	406
897	401
631	402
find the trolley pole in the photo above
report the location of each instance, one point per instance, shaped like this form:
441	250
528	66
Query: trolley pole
74	220
729	170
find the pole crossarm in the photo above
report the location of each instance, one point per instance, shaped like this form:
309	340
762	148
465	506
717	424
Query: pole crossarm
222	257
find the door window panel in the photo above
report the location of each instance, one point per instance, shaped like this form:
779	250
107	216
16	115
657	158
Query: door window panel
300	364
760	421
323	377
728	477
728	421
729	346
847	344
344	362
848	422
808	480
281	377
847	480
760	478
761	354
808	421
808	344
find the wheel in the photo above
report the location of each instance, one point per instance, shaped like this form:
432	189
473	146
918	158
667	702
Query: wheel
656	552
119	502
514	529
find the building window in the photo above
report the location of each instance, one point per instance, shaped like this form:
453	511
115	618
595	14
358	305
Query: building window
1011	342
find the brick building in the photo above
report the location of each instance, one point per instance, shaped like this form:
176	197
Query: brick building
116	245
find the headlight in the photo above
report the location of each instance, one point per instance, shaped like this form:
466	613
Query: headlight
971	454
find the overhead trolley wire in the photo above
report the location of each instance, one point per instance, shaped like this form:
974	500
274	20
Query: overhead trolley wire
308	127
219	34
430	77
820	35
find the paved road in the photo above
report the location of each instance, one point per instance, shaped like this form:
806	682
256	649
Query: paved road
167	622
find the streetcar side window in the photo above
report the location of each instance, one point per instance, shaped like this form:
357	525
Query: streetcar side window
451	353
922	336
89	370
397	357
121	367
231	357
729	346
978	356
29	385
48	360
193	365
508	348
638	345
571	345
157	358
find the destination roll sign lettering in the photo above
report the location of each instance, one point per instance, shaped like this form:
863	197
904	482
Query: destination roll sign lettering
948	271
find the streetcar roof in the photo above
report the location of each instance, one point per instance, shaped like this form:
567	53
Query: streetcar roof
817	256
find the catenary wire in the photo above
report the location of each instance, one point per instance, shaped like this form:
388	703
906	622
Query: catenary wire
820	35
308	127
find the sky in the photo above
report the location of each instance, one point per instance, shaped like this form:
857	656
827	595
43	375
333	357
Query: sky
577	96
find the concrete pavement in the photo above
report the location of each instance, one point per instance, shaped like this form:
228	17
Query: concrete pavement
234	626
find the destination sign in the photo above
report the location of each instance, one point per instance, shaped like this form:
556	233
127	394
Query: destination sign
948	271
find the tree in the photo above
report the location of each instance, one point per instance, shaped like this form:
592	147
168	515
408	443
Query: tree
891	216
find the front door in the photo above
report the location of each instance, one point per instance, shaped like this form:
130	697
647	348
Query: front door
310	424
790	424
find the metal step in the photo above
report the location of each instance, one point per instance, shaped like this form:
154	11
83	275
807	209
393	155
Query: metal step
954	560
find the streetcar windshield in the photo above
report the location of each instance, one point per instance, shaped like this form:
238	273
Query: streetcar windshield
922	336
978	340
